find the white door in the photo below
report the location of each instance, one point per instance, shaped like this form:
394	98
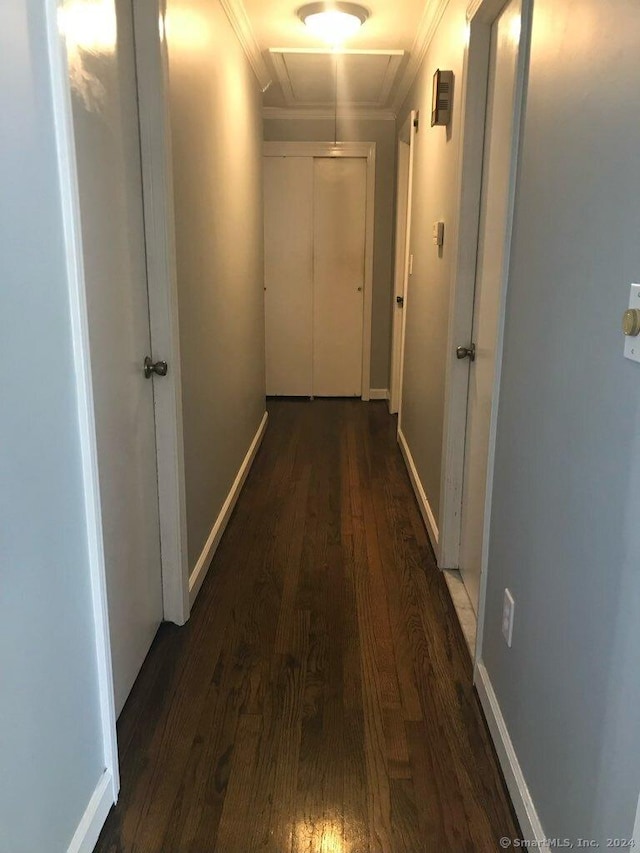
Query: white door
288	273
402	187
340	199
403	249
491	274
108	152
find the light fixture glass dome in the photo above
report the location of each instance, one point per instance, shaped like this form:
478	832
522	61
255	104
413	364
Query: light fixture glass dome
333	22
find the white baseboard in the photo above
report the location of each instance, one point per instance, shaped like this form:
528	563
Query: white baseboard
201	567
86	835
514	777
378	393
425	509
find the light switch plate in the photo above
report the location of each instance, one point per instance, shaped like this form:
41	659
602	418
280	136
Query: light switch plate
631	344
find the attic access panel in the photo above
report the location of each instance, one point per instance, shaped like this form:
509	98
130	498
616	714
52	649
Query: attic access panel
307	77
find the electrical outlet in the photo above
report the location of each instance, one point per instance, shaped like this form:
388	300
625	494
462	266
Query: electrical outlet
508	609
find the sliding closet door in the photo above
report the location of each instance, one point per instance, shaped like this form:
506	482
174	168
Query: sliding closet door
340	195
288	200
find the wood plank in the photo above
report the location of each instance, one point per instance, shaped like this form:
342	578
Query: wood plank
321	696
390	556
270	796
234	827
378	790
355	815
441	817
294	527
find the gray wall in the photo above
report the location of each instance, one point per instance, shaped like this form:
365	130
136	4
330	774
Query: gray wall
565	535
50	735
434	198
217	159
383	133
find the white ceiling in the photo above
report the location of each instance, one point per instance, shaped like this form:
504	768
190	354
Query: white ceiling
373	73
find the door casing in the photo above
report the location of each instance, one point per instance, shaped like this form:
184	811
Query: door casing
152	66
151	63
481	15
404	196
366	150
493	246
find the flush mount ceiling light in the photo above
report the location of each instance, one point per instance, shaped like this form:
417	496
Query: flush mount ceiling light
333	22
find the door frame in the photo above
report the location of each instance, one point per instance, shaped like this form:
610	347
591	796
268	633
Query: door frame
108	787
367	151
152	67
151	64
481	15
404	199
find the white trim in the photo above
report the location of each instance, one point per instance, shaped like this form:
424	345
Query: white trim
368	270
162	283
239	20
378	393
481	16
636	827
463	276
423	503
484	11
201	567
404	189
70	204
431	17
472	9
514	777
366	150
407	135
323	113
521	81
88	831
400	242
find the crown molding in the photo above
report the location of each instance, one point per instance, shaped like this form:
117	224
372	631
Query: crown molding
241	24
431	17
319	114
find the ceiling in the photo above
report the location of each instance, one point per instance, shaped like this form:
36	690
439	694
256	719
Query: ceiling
371	74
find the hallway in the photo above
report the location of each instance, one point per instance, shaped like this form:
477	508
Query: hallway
320	697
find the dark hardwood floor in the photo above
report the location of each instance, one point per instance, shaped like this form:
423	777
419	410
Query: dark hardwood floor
320	697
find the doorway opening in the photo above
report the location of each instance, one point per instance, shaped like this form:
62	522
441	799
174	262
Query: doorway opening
493	92
404	197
